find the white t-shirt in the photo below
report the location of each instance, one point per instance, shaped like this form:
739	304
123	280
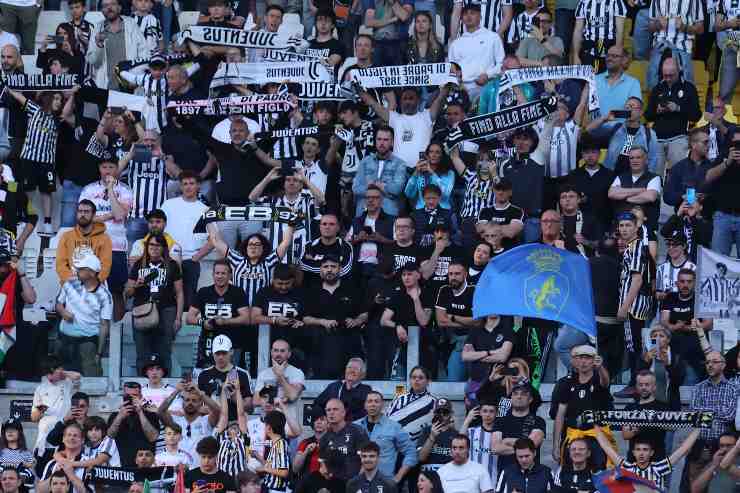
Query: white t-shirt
294	376
471	477
174	459
57	398
653	184
97	194
158	396
198	429
412	134
181	218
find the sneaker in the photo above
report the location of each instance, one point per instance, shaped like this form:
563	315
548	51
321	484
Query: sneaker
626	393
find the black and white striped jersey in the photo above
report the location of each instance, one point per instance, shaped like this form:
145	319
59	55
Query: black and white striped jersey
151	29
413	412
251	277
491	13
666	276
481	449
520	26
690	12
149	183
305	205
277	458
478	194
41	138
635	260
600	19
719	289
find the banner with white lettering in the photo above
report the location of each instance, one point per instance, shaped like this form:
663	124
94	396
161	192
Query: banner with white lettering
288	132
514	77
484	126
321	91
285	56
423	74
124	476
235	105
265	73
717	285
40	82
650	418
227	36
170	58
246	213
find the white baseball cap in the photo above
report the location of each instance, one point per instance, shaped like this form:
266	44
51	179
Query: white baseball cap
221	343
87	261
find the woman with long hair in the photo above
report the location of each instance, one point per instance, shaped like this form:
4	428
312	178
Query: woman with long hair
433	168
13	450
429	482
424	47
156	278
118	133
65	53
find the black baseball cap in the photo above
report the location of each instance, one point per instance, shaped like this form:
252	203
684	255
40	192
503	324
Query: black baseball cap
471	5
156	214
503	183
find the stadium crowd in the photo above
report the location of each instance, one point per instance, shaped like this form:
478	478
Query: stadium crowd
393	219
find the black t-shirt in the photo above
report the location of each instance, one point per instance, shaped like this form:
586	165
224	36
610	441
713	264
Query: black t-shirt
345	302
684	343
589	229
325	49
75	163
162	288
394	257
211	381
623	160
483	340
441	452
439	278
460	304
656	436
131	437
274	304
581	397
347	442
218	482
402	307
503	217
213	305
512	426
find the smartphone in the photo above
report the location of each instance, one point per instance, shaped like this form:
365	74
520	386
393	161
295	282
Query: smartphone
116	110
653	342
510	372
75	403
368	230
690	196
58	40
422	156
233	375
621	113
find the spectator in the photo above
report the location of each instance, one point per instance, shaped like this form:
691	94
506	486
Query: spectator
715	394
86	308
80	27
480	436
718	129
598	27
133	426
285	379
723	177
714	478
462	474
560	134
726	20
116	38
666	275
326	477
327	244
351	437
157	279
234	452
581	232
64	55
220	309
540	42
324	45
173	455
184	211
647	400
482	254
79	407
431	169
423	46
156	223
479	192
55	470
119	133
431	216
214	377
155	390
308	460
371	478
149	25
275	467
352	391
87	237
613	86
383	169
14	453
478	51
576	473
208	470
605	282
638	186
435	442
390	438
12	480
429	482
623	137
690	172
663	360
672	105
503	213
195	425
526	474
688	221
490	344
51	399
390	28
521	421
522	23
413	409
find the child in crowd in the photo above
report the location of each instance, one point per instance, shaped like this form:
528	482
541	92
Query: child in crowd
98	444
173	455
233	438
207	476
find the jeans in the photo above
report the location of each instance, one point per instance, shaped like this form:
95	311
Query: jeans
684	58
157	340
532	230
136	229
565	24
641	38
670	152
726	232
78	354
168	19
728	74
70	196
234	231
22	21
190	276
567	339
456	367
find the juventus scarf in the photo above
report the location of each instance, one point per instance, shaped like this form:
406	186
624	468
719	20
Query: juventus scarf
246	213
424	74
171	58
513	78
124	476
265	73
649	418
40	82
241	105
284	56
484	126
289	132
321	91
227	36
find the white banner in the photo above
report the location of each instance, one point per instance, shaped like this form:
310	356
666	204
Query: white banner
264	73
228	36
515	77
424	74
717	286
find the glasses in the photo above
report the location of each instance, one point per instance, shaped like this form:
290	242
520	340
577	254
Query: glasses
372	197
714	362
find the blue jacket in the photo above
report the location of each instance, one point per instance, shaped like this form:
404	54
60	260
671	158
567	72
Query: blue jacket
394	177
685	174
536	480
393	440
617	135
416	184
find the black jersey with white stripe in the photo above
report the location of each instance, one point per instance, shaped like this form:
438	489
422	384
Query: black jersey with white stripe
277	458
148	180
41	137
600	19
478	194
304	205
635	260
690	12
248	276
520	26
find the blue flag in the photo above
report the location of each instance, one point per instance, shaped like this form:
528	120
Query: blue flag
540	281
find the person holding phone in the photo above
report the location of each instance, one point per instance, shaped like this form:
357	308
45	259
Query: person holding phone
686	179
434	168
207	477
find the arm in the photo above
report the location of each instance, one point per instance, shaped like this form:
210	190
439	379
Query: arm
619	193
606	446
717	171
18	96
557	433
163	412
644	197
27	292
286	242
631	295
619	22
437	102
180	300
506	18
120	211
403	12
577	40
150	432
259	189
381	110
428	266
455	20
501	445
685	447
423	315
214	236
406	446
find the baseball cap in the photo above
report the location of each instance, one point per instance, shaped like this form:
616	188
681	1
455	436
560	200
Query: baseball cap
503	183
221	344
471	4
442	223
87	261
676	237
154	360
443	405
583	350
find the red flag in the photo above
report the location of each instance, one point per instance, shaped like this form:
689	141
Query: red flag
180	480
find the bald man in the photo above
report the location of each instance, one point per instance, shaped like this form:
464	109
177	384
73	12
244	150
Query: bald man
10	59
346	438
550	229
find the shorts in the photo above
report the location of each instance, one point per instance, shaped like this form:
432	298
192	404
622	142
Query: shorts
39	175
118	272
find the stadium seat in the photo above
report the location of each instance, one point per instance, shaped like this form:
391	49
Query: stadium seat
48	22
47	288
701	81
291	19
188	18
94	17
50	260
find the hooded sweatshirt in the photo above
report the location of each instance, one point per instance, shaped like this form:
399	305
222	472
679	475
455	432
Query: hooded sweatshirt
75	243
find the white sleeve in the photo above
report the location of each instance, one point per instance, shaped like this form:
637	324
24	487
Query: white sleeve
616	183
654	184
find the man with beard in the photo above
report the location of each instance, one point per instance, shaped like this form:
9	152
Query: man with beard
719	475
646	400
213	378
87	236
463	474
442	256
503	213
156	222
403	250
327	244
579	230
15	127
576	474
520	422
336	312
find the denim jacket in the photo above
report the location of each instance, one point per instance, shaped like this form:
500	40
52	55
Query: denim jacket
618	134
393	440
394	177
